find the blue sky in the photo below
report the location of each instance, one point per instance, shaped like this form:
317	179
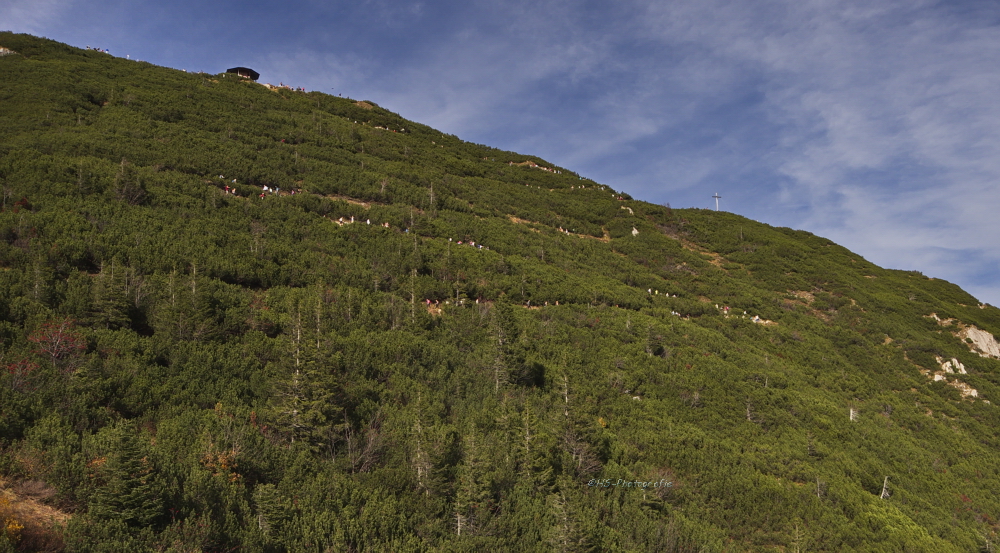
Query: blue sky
873	123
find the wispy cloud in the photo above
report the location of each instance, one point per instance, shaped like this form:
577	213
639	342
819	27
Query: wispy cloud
884	120
31	16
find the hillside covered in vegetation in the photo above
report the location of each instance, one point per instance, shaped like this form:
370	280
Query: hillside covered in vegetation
408	342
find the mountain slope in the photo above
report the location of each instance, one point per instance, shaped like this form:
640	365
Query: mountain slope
204	370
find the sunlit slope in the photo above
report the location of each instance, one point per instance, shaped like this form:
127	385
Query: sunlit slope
434	345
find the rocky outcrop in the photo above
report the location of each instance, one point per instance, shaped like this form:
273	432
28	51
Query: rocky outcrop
951	366
980	341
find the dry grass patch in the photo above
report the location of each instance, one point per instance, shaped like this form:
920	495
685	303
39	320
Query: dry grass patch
30	523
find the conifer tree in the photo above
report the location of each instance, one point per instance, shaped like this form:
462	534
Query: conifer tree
503	330
304	399
565	534
110	306
532	448
472	493
128	186
272	511
129	491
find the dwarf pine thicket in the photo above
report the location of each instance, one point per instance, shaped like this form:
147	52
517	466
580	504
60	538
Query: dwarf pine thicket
192	363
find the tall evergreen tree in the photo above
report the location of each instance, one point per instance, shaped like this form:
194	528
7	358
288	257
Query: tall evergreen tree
129	490
110	305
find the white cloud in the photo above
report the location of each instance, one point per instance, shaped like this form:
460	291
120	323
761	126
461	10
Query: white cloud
31	16
885	117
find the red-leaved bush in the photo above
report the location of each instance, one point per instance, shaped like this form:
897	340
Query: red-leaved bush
20	372
60	341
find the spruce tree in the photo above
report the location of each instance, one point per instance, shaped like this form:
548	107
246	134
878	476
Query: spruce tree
129	491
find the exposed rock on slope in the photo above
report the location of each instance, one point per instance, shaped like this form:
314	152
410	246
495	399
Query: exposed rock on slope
952	366
978	340
983	343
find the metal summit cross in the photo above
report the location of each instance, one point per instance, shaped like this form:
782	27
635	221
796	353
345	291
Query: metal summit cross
716	196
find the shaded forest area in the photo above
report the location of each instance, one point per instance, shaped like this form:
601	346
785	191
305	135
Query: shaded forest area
191	363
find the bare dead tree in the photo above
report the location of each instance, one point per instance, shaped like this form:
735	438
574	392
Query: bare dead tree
364	448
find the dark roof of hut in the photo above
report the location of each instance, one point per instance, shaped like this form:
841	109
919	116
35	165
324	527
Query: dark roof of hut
244	72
